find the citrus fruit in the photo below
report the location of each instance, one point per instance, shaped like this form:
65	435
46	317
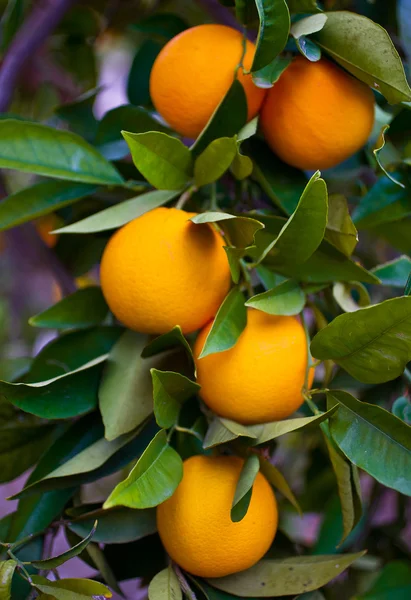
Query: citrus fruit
188	79
195	524
261	378
45	225
162	270
317	115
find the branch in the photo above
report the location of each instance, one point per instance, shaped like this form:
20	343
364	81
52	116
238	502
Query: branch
43	19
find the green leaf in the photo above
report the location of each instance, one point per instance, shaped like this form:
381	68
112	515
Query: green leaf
304	230
11	20
40	199
154	478
35	148
349	489
373	344
214	161
394	272
308	48
163	160
228	325
7	568
244	488
379	145
365	49
165	586
118	215
272	577
71	589
79	115
267	76
402	409
12	369
303	6
168	341
170	390
57	561
222	431
167	25
62	397
109	140
340	231
285	299
308	25
269	431
118	525
373	439
278	480
392	583
138	86
242	166
227	120
273	31
385	202
342	293
84	308
126	392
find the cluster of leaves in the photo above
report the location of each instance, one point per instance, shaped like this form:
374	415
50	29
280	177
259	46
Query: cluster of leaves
101	401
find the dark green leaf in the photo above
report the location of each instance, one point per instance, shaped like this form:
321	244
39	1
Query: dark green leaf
285	299
71	589
342	293
394	272
62	397
373	439
285	576
269	431
79	115
393	583
170	390
118	525
402	409
269	75
227	120
154	478
121	213
167	25
273	31
126	392
214	161
365	50
11	20
57	561
303	6
385	202
40	199
168	341
228	324
278	480
12	369
165	586
7	568
35	148
138	87
379	145
222	431
373	344
243	492
349	489
340	231
84	308
163	160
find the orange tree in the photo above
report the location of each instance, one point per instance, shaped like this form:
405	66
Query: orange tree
207	420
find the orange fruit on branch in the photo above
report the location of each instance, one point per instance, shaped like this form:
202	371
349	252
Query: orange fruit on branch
317	115
195	524
261	378
162	270
194	71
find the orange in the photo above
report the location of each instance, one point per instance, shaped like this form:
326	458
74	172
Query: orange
317	115
261	378
45	225
195	524
162	270
193	72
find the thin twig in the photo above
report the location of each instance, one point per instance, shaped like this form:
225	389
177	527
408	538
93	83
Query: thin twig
42	20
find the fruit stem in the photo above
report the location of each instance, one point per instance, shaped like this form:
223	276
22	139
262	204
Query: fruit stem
244	47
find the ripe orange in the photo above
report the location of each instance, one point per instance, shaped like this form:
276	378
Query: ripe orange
45	225
162	270
261	378
193	72
317	115
195	524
